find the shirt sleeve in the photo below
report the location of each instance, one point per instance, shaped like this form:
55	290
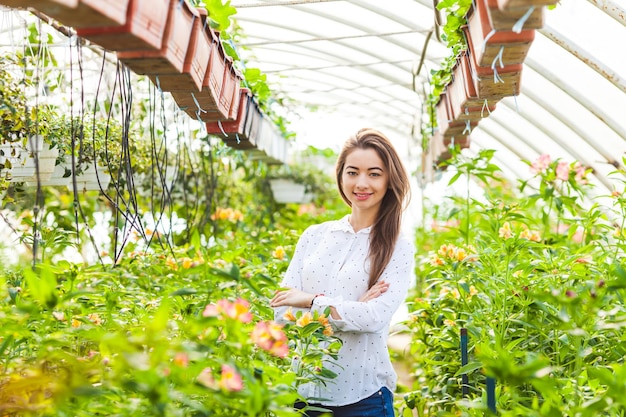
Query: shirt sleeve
375	315
293	277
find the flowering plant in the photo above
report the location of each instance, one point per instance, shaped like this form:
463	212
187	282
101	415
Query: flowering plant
314	344
534	276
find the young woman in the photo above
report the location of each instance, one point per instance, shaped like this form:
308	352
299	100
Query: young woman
360	267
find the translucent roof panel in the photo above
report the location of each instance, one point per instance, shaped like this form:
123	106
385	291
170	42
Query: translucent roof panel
362	62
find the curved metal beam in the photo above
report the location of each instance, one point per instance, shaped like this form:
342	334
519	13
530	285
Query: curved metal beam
612	9
570	90
580	53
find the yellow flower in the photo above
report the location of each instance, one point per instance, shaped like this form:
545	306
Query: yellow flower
473	291
449	323
279	253
171	262
305	319
505	231
530	235
289	315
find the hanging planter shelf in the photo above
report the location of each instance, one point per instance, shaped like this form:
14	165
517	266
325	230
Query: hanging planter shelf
289	191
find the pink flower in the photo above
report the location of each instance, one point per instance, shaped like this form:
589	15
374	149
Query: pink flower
270	336
206	378
211	310
239	310
562	171
581	173
231	380
541	164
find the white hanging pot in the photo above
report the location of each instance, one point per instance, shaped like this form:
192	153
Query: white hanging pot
287	191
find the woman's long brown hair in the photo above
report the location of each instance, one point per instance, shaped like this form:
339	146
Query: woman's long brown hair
386	228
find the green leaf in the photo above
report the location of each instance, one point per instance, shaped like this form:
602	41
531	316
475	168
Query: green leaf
472	366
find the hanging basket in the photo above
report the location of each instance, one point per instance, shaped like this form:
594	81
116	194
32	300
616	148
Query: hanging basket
78	13
494	82
448	127
463	97
516	5
513	19
491	46
196	61
143	29
203	105
170	58
288	191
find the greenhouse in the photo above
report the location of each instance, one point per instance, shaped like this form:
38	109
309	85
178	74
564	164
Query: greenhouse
169	170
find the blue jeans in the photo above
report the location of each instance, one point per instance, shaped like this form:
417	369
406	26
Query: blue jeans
379	404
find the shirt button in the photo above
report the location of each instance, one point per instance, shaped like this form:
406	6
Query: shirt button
380	393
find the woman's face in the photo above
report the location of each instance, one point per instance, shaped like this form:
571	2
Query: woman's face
364	179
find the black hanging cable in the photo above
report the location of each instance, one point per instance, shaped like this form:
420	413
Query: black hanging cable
78	210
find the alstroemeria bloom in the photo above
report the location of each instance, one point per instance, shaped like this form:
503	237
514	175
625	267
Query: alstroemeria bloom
239	310
206	378
270	336
581	173
562	171
289	315
279	253
530	235
304	320
505	231
230	380
541	164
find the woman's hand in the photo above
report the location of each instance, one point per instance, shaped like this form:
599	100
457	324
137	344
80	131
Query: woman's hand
376	291
292	297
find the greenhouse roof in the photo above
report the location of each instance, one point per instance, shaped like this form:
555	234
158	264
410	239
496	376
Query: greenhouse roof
365	63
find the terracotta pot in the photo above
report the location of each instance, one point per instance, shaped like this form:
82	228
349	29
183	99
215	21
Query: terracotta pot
241	133
512	5
463	97
229	99
447	125
507	20
78	13
229	128
204	104
492	46
170	59
494	82
144	27
196	61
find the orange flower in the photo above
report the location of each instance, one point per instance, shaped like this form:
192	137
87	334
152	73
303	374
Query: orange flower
436	261
289	315
171	262
187	263
95	319
181	359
